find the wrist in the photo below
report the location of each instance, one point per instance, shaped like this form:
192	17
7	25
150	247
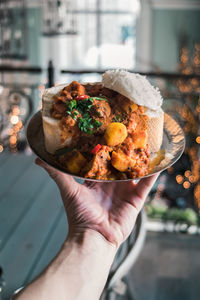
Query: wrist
89	238
88	256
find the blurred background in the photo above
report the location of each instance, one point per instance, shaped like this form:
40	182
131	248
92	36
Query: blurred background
45	43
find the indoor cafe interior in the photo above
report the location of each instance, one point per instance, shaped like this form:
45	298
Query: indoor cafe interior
44	43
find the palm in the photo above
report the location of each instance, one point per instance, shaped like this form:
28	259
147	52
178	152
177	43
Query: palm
109	208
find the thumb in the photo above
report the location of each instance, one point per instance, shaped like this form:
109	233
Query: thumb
66	184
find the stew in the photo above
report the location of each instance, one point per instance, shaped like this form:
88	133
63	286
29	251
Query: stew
108	131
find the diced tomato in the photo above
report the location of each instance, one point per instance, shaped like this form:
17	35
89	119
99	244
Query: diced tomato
82	97
96	149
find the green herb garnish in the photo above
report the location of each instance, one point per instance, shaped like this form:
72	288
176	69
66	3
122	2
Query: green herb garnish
100	98
85	123
71	105
117	118
97	123
84	105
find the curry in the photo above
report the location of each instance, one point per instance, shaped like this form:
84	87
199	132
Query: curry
108	132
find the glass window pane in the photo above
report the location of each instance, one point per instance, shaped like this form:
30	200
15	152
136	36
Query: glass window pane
118	43
120	5
77	47
84	4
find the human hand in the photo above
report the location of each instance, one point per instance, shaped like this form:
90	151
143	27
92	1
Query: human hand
108	208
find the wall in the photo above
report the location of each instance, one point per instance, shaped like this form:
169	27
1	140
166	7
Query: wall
168	28
159	27
34	16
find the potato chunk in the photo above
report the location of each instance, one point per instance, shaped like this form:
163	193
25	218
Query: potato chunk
129	106
75	163
139	139
121	161
115	134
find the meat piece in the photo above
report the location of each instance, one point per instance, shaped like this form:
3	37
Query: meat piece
136	122
88	142
61	98
75	88
93	89
108	93
100	108
98	167
68	121
101	112
65	95
72	90
59	107
69	128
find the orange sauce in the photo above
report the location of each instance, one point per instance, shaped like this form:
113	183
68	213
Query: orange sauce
156	160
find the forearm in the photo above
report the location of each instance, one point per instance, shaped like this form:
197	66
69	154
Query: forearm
79	271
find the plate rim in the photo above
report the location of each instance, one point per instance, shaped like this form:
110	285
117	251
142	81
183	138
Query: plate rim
101	180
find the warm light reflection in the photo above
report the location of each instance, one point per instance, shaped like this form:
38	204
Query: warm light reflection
13	139
187	173
197	194
1	148
16	110
186	184
14	119
17	126
191	178
41	87
179	179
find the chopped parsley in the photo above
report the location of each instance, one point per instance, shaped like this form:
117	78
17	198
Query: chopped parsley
71	105
84	105
85	123
97	123
88	124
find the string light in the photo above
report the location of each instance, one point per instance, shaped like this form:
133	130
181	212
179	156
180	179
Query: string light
17	125
190	116
197	193
179	179
187	173
1	148
14	119
191	179
186	184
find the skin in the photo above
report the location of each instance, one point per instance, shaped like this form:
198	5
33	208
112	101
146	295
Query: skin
100	216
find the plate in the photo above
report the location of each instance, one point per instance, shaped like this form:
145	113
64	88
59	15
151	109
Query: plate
173	143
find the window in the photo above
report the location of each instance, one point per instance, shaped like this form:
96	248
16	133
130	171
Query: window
106	35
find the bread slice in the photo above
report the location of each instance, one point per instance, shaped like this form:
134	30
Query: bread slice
139	90
133	86
52	131
155	131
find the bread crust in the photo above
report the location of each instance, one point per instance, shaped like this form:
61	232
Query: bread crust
155	132
52	135
51	128
52	131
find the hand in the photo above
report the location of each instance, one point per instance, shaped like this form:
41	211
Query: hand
108	208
